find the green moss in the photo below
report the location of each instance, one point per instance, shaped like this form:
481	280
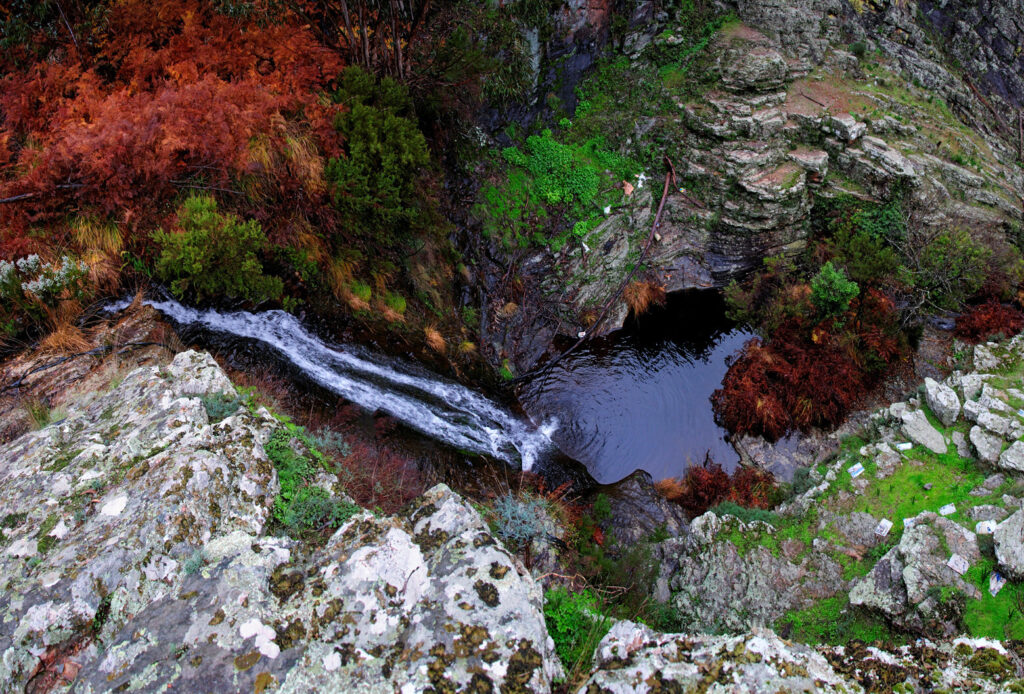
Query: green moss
43	540
991	662
396	302
834	621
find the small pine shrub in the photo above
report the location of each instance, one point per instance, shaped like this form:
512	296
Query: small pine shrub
220	406
832	292
214	254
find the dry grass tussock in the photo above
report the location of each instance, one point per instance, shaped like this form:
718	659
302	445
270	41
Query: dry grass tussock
642	294
434	339
64	336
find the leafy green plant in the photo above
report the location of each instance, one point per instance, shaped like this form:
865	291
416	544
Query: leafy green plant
576	625
214	254
548	179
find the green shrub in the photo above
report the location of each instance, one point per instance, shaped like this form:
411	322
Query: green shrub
576	626
859	49
214	254
831	291
313	508
947	266
376	185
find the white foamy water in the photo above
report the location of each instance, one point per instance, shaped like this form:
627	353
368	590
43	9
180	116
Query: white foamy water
441	409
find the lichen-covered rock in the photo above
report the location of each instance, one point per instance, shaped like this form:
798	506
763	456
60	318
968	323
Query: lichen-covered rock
917	427
1009	541
943	401
1012	459
906	584
988	446
135	537
104	508
717	585
632	658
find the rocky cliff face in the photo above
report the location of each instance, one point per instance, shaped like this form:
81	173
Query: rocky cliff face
789	117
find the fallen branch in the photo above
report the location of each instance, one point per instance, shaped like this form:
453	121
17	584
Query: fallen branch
16	198
811	98
670	179
999	119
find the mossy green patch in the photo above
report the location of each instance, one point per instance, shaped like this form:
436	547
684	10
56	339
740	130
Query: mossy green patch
835	621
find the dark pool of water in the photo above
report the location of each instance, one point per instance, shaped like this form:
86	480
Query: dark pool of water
640	398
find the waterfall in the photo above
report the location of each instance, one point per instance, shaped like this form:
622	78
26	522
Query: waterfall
437	407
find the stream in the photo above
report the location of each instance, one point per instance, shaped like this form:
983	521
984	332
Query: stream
439	408
638	399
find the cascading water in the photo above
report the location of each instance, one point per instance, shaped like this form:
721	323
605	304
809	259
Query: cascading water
441	409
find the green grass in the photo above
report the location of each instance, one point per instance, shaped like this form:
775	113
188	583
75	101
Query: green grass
1000	617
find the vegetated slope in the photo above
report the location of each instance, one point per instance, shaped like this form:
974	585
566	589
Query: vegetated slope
236	151
807	133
